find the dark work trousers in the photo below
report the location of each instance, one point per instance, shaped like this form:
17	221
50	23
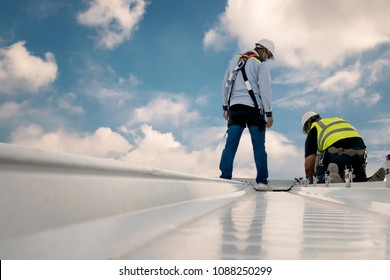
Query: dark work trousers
356	162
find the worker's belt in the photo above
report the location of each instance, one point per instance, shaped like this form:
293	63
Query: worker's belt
348	152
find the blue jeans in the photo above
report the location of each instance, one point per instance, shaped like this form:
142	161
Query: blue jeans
258	143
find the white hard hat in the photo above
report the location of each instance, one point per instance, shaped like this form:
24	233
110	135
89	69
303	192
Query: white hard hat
307	116
269	45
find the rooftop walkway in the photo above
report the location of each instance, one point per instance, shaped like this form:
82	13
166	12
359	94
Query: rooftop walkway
62	206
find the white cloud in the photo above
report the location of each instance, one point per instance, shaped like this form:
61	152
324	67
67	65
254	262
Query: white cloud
162	150
373	99
202	100
103	84
378	131
16	114
360	96
384	120
174	110
379	69
102	143
281	150
323	89
342	81
199	138
132	80
22	71
66	103
376	136
294	100
116	95
216	39
155	141
115	20
10	110
305	31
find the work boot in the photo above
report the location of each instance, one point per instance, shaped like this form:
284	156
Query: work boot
378	176
334	175
262	187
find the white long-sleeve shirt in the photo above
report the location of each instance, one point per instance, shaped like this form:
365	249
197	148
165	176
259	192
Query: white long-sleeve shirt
259	78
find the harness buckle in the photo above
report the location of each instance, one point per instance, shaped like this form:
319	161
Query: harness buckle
241	63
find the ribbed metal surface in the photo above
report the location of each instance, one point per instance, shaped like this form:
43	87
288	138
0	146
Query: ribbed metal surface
61	206
269	225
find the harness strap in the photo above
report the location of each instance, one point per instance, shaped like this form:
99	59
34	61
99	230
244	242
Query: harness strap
249	88
348	152
241	66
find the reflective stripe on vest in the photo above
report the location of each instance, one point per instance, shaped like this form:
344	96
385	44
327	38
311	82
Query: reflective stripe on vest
331	130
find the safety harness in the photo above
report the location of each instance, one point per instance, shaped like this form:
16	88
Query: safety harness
241	67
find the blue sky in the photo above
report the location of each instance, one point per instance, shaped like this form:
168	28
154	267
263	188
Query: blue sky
140	81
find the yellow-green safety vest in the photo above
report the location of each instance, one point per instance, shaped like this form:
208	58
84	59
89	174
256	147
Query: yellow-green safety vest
331	130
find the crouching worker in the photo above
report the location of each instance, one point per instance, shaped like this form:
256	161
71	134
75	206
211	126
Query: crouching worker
337	146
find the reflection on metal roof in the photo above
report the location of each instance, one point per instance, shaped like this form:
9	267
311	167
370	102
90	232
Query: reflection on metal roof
61	206
276	226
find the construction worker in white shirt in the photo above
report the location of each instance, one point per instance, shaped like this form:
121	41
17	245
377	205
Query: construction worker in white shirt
246	102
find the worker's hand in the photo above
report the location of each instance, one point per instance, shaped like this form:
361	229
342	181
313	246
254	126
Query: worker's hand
226	115
270	121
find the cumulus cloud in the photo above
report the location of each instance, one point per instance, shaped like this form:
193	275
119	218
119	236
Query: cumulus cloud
305	32
171	110
281	150
102	143
20	71
162	150
115	20
216	39
150	147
